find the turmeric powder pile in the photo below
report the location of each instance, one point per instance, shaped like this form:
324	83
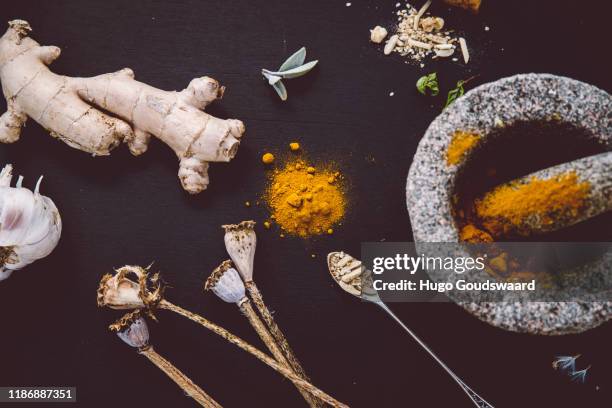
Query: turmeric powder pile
510	208
305	200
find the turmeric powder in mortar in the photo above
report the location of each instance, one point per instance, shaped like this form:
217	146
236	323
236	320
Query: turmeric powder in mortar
461	144
511	208
305	200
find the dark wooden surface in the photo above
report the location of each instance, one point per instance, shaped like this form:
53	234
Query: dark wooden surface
121	209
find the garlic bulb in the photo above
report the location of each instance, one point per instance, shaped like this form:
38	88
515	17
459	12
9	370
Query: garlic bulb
30	224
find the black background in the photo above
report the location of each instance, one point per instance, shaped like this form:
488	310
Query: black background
120	209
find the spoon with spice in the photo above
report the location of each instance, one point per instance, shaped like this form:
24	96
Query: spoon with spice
351	275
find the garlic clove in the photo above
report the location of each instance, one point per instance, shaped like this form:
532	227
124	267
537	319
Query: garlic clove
6	175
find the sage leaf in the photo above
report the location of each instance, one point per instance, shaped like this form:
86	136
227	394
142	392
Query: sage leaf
280	89
428	83
293	67
272	79
453	94
295	72
295	60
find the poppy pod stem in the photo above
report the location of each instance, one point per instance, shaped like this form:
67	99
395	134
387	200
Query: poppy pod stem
240	243
237	341
247	309
276	332
133	330
118	292
225	282
179	378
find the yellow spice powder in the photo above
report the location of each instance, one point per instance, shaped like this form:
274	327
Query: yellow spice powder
461	143
305	200
508	208
473	234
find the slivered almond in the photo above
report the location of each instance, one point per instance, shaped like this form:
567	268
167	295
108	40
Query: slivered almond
343	261
422	11
415	43
344	271
391	43
437	39
350	276
464	50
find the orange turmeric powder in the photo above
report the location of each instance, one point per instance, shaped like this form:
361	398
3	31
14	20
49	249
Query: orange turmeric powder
305	200
461	143
522	207
470	233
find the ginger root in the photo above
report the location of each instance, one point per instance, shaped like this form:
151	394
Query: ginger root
75	109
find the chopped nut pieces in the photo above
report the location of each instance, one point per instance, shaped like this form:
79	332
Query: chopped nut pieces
419	14
420	35
347	271
430	24
378	34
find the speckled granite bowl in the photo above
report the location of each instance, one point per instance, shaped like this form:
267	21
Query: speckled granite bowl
521	98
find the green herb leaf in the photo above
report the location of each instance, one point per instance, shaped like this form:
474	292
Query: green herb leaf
295	60
280	89
428	84
293	67
272	79
294	72
453	94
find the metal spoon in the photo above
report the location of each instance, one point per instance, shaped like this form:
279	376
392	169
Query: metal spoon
347	272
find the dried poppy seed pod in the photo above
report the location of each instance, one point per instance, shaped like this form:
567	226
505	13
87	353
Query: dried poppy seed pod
240	243
119	292
225	282
30	224
133	330
151	292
